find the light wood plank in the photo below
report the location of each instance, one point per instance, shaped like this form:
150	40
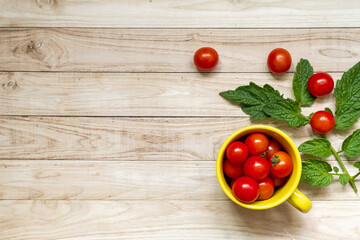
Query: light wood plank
129	138
186	13
171	50
130	180
133	94
24	220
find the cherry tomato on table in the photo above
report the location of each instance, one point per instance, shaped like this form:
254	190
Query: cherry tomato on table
246	189
266	188
231	170
281	164
256	167
322	122
320	84
257	143
273	147
279	60
206	58
237	152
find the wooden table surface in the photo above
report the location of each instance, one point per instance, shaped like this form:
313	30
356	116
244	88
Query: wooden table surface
108	131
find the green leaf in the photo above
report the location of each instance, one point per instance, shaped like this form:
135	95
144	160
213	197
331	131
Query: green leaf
302	74
288	111
319	147
275	160
336	169
252	99
329	110
262	102
344	178
351	145
357	165
317	173
347	93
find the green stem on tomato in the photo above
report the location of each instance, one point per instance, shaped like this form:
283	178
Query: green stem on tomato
355	176
351	180
340	151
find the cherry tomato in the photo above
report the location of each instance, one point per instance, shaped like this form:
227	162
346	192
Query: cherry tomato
246	189
320	84
322	122
237	152
277	181
257	143
231	170
281	164
273	147
206	58
279	60
266	188
256	167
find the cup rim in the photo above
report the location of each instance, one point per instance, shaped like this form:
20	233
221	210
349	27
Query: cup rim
221	177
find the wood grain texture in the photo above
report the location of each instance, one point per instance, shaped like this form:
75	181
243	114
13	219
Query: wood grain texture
80	138
171	50
130	180
133	94
186	13
25	220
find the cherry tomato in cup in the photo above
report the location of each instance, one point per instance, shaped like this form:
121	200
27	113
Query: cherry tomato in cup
279	60
281	164
277	181
273	147
231	170
246	189
320	84
206	58
237	152
266	188
257	143
256	167
322	122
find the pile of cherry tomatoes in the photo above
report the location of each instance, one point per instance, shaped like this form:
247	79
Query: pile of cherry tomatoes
256	166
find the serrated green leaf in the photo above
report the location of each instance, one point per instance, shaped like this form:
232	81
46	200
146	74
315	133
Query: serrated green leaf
344	178
302	74
336	169
317	173
287	111
347	93
262	102
329	110
357	165
351	145
319	147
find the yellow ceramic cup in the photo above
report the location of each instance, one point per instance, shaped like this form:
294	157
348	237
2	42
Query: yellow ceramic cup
288	191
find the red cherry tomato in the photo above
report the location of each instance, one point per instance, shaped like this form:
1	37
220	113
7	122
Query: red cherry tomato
273	147
322	122
237	152
246	189
231	170
206	58
320	84
277	181
257	143
281	164
279	60
256	167
266	188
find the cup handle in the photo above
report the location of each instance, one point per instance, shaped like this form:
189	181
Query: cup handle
300	201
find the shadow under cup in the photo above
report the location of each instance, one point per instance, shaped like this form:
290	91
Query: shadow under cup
285	191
